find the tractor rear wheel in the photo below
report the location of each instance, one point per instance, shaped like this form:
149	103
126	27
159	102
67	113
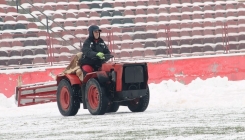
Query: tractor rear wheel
67	98
113	107
96	99
139	104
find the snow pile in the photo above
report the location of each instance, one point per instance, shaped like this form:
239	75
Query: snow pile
7	102
211	93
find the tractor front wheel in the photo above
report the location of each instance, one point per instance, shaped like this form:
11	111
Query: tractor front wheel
67	99
139	104
96	99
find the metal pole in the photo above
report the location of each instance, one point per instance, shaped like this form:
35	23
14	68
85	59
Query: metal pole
17	6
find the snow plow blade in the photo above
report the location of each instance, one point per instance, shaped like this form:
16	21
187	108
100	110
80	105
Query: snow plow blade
32	94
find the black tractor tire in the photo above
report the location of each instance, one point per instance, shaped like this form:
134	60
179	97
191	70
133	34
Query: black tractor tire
95	97
113	107
139	104
67	98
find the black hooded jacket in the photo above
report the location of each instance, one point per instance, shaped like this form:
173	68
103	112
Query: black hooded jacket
91	47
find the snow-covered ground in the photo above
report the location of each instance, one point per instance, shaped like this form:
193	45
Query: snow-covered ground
210	109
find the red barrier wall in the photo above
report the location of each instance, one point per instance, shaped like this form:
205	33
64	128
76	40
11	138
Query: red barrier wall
182	70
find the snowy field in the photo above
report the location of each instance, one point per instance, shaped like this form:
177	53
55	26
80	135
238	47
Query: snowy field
212	109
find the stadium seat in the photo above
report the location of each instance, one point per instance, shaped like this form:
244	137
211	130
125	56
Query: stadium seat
220	16
161	53
14	53
117	14
126	47
19	35
64	59
219	49
129	5
106	6
118	5
7	27
116	22
161	35
241	30
175	52
60	9
175	3
233	48
185	52
196	51
151	12
11	10
186	10
185	18
197	42
209	25
95	6
196	26
140	4
58	17
83	6
208	16
219	8
70	17
39	52
185	43
26	62
208	41
241	47
161	45
5	45
137	36
126	38
21	19
13	63
197	17
38	61
137	54
72	8
19	26
137	46
64	50
208	50
241	38
105	14
3	64
186	2
232	31
149	54
150	36
218	40
3	53
125	55
27	52
231	15
17	44
150	46
31	34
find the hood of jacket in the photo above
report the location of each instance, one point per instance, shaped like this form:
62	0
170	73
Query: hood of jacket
91	29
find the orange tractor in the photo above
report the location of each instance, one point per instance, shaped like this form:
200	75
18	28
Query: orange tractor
103	91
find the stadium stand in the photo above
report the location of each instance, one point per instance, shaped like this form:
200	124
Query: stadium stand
141	29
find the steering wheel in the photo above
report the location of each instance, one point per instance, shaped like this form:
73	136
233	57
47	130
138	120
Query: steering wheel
107	57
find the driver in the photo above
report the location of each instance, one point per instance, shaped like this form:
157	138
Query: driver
93	47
